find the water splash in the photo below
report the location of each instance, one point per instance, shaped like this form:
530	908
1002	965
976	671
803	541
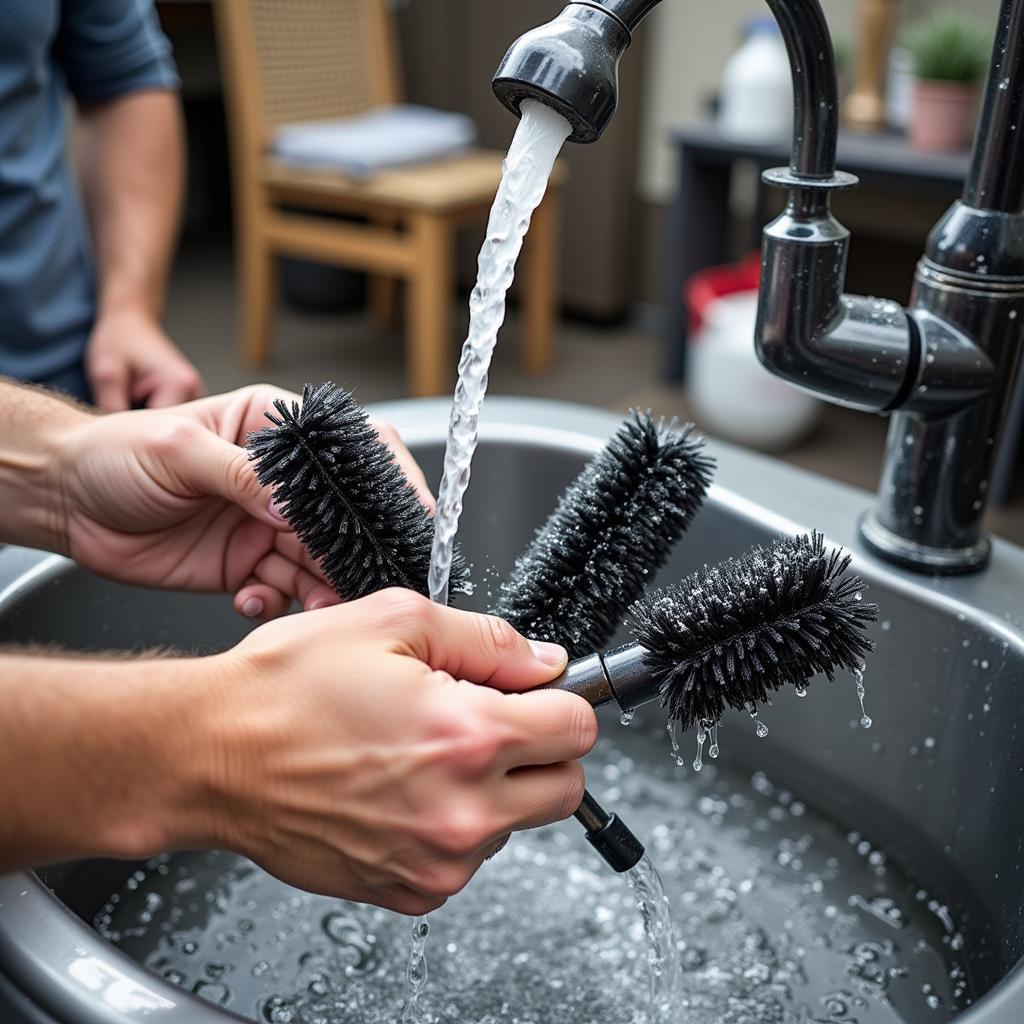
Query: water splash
662	944
545	935
530	160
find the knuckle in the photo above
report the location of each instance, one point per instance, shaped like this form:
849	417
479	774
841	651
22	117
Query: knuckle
173	436
501	634
189	378
402	608
462	829
473	745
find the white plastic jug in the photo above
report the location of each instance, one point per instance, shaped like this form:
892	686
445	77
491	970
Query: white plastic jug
731	394
757	87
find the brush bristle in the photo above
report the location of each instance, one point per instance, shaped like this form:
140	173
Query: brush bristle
731	635
339	487
612	529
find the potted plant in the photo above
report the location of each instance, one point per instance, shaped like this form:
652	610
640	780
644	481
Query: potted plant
950	54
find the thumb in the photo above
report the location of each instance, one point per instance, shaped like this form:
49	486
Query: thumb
222	468
467	645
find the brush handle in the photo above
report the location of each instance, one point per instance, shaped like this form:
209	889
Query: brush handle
608	834
621	676
590	678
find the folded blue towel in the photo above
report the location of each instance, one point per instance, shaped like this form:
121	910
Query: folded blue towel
382	138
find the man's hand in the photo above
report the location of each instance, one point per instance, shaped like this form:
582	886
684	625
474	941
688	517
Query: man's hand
340	750
130	361
346	756
170	499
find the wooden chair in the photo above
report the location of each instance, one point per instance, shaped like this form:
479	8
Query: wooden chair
296	60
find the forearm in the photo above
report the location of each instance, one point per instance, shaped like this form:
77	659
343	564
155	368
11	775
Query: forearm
131	157
97	758
34	426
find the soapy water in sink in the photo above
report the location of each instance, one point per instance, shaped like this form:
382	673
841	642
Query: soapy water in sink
780	917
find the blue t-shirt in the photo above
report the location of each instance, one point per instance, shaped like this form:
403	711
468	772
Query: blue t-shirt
95	50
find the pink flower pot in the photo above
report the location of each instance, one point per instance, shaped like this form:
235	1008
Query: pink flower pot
942	116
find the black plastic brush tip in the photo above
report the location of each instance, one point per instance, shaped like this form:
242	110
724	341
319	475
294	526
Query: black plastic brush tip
339	487
731	635
612	529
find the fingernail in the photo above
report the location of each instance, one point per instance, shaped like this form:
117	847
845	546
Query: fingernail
550	654
275	511
253	608
318	604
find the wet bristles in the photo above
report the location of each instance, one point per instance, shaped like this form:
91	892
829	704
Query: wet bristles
612	529
349	503
731	635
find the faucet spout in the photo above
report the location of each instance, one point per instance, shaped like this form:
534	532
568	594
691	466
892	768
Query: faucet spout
571	63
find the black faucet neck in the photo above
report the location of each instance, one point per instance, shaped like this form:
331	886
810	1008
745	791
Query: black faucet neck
995	180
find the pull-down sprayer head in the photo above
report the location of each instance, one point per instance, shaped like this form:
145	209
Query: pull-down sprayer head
570	64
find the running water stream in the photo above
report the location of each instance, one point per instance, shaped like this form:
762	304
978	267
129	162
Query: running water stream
531	158
662	944
527	168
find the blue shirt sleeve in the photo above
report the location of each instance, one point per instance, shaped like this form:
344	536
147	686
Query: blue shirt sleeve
107	48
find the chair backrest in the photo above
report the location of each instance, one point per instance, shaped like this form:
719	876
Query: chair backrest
303	60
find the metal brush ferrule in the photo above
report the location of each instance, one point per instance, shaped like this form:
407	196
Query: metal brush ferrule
621	676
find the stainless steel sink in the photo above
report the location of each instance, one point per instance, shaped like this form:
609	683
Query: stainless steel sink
936	782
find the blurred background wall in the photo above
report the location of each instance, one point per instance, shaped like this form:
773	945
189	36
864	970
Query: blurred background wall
614	244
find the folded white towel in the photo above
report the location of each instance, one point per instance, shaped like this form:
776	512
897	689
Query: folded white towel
382	138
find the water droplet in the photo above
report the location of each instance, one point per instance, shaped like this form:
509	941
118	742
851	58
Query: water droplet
626	718
801	691
698	761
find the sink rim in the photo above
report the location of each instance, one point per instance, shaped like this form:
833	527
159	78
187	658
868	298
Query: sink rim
33	922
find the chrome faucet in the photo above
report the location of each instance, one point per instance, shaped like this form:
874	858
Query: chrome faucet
945	367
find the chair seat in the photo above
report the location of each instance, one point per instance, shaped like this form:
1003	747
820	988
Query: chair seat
467	180
462	182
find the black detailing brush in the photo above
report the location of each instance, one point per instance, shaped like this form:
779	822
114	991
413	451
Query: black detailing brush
612	529
730	636
339	487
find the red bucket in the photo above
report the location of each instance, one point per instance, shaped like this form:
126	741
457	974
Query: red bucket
708	285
